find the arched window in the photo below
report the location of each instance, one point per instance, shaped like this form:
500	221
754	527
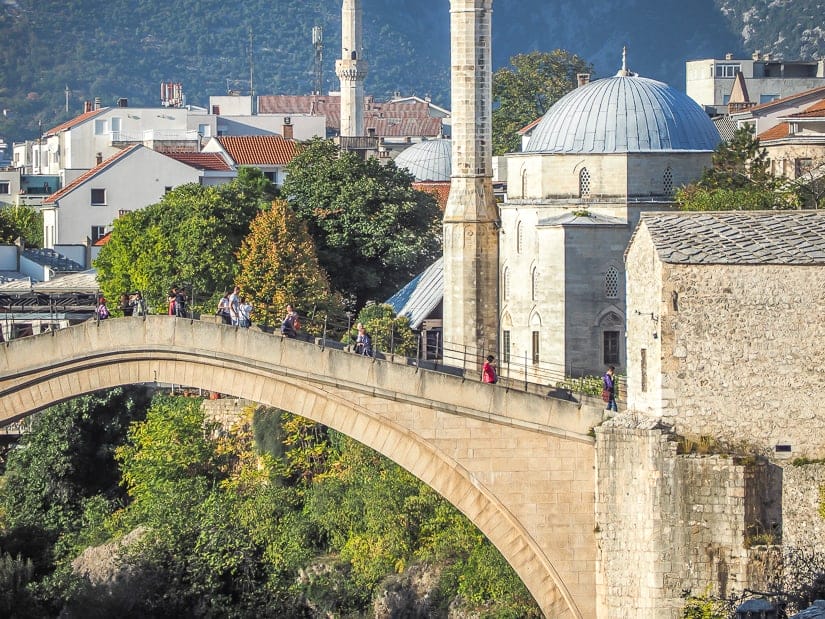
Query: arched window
519	238
667	181
584	183
534	284
505	285
611	283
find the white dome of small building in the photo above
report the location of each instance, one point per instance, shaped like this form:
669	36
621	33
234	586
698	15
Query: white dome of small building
430	160
624	114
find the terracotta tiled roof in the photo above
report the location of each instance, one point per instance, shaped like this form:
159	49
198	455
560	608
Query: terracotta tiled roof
788	99
202	161
258	149
75	121
777	132
103	240
527	128
817	110
440	190
52	199
389	119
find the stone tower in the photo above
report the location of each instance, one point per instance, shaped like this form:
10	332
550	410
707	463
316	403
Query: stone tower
471	217
351	70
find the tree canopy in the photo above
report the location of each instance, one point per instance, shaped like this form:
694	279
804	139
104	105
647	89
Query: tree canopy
526	89
189	238
21	222
373	231
279	265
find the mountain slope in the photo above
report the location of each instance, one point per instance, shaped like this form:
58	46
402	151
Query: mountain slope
125	48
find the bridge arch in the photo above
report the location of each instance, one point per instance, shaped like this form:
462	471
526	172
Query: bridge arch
440	428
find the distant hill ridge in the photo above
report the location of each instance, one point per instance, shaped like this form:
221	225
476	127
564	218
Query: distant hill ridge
121	48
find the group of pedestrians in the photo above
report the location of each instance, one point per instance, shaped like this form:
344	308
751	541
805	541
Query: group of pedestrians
234	309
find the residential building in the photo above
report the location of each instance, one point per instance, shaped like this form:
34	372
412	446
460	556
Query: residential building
131	179
269	153
710	81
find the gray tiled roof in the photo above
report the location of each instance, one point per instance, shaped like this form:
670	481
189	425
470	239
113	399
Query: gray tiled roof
50	258
569	218
725	126
738	237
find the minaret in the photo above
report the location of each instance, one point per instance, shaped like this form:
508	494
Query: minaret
351	70
471	218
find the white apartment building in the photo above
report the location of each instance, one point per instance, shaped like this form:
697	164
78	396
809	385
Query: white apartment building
709	81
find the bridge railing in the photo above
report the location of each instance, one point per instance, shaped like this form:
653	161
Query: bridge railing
337	330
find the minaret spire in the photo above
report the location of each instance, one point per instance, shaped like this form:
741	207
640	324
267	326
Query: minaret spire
471	218
351	70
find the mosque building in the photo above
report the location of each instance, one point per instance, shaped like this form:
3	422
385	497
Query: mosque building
603	154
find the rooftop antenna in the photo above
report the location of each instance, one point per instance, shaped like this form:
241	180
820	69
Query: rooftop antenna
318	43
251	73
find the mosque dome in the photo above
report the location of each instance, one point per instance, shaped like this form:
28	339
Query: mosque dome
430	160
624	114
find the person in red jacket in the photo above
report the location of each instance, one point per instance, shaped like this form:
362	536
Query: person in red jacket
488	370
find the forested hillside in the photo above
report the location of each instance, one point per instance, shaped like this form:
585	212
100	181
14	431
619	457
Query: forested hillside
125	48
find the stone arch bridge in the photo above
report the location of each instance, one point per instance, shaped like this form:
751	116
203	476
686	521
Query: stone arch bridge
519	466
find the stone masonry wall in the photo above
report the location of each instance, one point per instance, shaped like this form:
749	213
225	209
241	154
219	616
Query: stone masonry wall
742	354
669	523
802	526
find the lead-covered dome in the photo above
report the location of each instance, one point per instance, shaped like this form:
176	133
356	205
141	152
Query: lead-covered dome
430	160
624	114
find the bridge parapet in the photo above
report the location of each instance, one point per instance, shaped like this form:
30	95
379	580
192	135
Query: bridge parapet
519	465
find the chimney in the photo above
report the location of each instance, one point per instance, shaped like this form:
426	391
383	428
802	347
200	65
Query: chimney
99	158
87	106
97	103
289	130
728	56
582	79
123	102
766	57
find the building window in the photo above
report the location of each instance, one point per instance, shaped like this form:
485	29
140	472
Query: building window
506	283
534	284
611	347
611	283
584	183
535	347
728	70
519	237
505	346
5	187
802	166
98	197
667	181
643	369
167	189
100	127
98	232
767	98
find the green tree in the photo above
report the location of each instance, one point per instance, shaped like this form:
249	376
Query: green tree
23	222
389	333
373	232
527	88
739	179
278	264
189	238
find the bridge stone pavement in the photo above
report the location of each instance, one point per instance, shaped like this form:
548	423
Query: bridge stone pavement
519	466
